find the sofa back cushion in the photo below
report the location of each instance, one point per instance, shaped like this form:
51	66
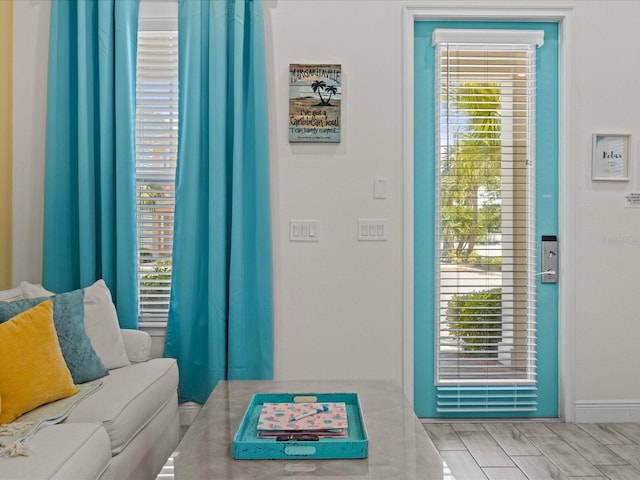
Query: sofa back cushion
11	294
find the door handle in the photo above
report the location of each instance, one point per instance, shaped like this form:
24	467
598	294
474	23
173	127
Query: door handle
549	250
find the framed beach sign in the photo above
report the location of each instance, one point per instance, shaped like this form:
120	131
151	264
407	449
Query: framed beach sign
315	94
610	157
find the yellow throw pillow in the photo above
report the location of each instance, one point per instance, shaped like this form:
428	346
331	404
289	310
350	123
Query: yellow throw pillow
32	369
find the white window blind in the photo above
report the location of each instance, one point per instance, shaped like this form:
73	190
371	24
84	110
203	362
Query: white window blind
156	155
485	220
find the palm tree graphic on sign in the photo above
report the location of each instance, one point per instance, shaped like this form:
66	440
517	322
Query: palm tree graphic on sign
318	87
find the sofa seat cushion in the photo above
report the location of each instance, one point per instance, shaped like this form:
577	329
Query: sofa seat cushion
129	399
76	450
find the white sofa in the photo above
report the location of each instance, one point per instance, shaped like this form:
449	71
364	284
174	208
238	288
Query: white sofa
125	430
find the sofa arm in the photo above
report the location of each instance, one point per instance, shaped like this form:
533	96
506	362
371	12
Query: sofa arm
137	344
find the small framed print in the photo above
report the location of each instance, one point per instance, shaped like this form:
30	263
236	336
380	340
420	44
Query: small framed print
610	157
315	96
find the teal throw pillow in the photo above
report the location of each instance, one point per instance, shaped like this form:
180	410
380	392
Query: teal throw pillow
68	318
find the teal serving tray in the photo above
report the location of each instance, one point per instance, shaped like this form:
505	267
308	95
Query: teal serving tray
247	445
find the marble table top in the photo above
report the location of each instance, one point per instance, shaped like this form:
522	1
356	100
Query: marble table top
399	447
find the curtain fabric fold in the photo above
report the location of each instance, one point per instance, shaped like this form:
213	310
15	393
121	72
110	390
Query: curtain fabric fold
220	318
89	212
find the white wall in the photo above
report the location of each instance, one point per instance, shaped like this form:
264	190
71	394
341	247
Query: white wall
30	61
607	234
338	303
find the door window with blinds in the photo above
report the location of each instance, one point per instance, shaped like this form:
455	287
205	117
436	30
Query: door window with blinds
156	155
485	268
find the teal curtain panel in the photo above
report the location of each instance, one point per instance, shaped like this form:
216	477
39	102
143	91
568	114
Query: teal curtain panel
89	213
220	316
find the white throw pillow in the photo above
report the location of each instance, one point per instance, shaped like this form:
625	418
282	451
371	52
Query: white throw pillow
31	290
11	295
100	322
103	329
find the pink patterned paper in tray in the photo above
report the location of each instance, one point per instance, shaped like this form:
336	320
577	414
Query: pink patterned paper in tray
282	416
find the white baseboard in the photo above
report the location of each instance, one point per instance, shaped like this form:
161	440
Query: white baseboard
187	412
603	411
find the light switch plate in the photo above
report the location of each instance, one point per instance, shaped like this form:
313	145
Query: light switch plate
372	230
380	188
304	230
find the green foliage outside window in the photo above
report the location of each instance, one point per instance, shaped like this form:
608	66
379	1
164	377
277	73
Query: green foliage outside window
471	175
476	319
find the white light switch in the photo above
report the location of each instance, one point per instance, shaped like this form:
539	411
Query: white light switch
380	188
372	230
304	230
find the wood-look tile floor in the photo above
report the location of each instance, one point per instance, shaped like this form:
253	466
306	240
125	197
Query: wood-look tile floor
538	451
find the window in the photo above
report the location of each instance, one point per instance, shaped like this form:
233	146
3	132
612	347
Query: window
485	220
156	156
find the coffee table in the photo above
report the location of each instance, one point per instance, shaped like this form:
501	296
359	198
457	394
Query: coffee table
399	447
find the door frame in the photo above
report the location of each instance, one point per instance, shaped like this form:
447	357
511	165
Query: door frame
564	16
